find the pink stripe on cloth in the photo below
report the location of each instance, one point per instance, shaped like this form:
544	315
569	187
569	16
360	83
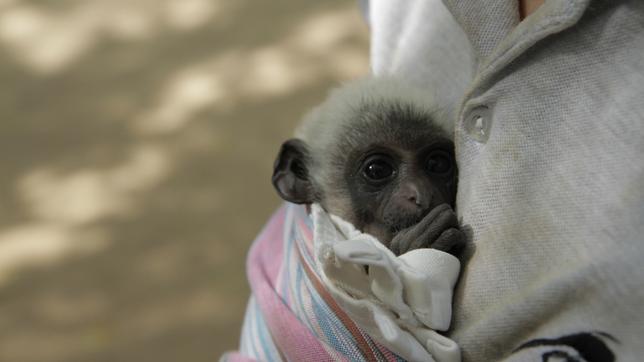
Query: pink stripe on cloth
294	339
270	241
236	357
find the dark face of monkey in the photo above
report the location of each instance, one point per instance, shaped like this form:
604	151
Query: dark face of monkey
394	187
384	171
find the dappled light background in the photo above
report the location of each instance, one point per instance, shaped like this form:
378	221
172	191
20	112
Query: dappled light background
136	145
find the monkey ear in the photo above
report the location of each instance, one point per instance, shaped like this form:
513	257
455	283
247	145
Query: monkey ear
291	176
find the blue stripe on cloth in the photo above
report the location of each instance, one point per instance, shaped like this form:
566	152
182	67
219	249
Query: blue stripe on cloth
268	346
256	341
301	305
248	345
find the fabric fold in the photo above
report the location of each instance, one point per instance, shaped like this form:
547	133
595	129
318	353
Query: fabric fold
399	301
323	291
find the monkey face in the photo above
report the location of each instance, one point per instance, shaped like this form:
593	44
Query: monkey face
393	188
375	155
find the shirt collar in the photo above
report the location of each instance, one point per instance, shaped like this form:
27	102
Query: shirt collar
496	32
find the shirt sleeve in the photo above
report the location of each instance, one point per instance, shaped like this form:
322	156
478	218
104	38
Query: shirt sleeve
419	41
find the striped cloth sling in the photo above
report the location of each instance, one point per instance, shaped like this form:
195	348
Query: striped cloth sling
292	314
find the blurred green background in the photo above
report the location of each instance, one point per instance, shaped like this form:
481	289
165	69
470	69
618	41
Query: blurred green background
136	145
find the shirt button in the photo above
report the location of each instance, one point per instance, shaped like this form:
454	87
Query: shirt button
478	122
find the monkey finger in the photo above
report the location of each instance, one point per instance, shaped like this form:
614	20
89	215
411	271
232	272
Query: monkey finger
397	243
426	231
435	212
417	230
394	247
450	241
445	220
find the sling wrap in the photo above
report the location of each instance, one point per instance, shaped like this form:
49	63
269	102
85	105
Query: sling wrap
322	290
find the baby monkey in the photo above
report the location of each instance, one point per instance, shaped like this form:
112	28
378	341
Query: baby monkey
378	154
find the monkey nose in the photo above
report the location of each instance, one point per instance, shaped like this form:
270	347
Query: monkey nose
412	195
415	199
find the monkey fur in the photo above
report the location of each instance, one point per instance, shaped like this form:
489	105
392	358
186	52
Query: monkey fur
379	155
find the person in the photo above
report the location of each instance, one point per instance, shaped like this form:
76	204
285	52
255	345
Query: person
549	142
547	100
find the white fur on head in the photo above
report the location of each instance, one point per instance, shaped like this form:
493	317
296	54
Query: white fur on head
341	105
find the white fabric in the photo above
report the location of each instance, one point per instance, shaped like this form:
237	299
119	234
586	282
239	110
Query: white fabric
411	39
399	301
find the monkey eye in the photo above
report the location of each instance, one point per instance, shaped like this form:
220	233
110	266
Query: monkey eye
439	162
377	170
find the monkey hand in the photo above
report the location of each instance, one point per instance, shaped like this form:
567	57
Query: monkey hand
438	230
